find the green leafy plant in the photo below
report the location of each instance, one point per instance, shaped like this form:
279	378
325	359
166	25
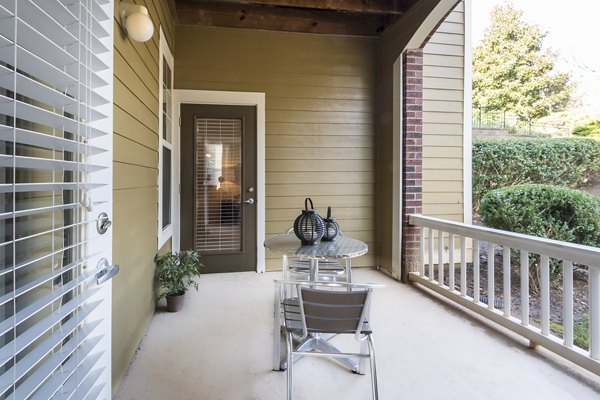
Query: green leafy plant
177	272
591	128
581	329
498	163
546	211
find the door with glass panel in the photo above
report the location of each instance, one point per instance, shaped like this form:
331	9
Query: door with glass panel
55	184
218	185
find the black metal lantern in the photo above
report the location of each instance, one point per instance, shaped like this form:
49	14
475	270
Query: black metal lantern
309	226
331	227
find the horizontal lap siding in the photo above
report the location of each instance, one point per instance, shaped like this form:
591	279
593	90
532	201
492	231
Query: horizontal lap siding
135	183
320	103
443	93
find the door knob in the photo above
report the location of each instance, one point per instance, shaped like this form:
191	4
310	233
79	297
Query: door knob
249	201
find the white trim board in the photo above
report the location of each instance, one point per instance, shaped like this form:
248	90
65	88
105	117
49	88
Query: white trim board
467	124
183	96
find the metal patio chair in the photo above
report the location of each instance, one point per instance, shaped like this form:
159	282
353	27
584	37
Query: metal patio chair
328	308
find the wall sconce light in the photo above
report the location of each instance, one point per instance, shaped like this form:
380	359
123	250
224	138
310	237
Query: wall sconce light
136	22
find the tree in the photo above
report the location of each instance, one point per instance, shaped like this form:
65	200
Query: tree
511	72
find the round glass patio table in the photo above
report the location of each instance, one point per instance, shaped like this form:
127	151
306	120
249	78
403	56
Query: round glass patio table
343	247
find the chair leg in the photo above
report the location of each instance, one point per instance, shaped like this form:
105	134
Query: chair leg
290	363
362	362
373	368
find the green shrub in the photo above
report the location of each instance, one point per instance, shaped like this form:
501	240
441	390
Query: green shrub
581	329
591	128
546	211
505	162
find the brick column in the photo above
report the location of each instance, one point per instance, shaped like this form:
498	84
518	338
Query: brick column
412	160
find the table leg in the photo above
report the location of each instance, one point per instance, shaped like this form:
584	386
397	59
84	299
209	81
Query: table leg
314	269
324	346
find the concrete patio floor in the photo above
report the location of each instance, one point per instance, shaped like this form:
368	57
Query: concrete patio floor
220	346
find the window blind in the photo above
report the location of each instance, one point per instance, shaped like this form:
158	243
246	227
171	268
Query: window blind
218	178
55	68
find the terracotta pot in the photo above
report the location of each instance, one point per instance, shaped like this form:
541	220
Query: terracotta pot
175	303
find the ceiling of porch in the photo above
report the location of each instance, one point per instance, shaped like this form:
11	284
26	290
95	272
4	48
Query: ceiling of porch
341	17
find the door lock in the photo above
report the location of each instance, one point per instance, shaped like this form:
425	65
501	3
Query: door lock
103	223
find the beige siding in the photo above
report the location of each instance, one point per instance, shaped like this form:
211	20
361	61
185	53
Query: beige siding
320	93
135	179
443	93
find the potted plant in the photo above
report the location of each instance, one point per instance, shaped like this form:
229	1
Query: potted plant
176	273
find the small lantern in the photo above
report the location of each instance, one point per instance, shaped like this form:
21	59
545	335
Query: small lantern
309	226
331	227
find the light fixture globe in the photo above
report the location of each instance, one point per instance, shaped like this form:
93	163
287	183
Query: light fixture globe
139	27
136	22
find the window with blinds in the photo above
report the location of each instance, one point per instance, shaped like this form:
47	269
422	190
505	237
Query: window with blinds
165	143
218	177
55	112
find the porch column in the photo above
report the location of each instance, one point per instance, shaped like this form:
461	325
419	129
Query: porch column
412	160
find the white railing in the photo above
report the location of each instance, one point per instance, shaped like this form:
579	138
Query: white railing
435	274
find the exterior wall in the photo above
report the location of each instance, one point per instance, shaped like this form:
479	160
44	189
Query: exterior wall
320	134
135	183
409	32
444	172
443	111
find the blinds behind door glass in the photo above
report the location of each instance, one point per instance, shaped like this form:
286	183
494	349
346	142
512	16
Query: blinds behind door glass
218	179
54	55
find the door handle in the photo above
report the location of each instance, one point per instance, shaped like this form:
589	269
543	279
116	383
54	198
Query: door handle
106	271
249	201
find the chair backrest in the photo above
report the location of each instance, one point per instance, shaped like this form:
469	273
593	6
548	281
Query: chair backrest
334	311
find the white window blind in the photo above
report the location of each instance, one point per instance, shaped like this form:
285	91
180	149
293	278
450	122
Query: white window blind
55	68
218	177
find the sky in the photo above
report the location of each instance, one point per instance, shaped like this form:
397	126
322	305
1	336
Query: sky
574	32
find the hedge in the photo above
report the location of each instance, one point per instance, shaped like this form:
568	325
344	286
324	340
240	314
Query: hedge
592	128
506	162
544	210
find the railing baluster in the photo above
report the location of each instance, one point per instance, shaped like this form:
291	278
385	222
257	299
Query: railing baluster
524	288
430	254
545	293
506	280
422	251
568	303
545	250
463	266
476	279
594	288
440	258
490	274
451	261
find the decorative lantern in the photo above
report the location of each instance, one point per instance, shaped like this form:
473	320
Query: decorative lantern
309	226
331	227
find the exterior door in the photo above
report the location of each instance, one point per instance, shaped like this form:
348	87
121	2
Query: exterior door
55	181
218	185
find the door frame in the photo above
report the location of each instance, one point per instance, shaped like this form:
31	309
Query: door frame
257	99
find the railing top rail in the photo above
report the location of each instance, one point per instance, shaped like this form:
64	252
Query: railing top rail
576	253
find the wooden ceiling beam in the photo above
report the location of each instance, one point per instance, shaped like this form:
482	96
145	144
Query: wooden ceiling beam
234	15
386	7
